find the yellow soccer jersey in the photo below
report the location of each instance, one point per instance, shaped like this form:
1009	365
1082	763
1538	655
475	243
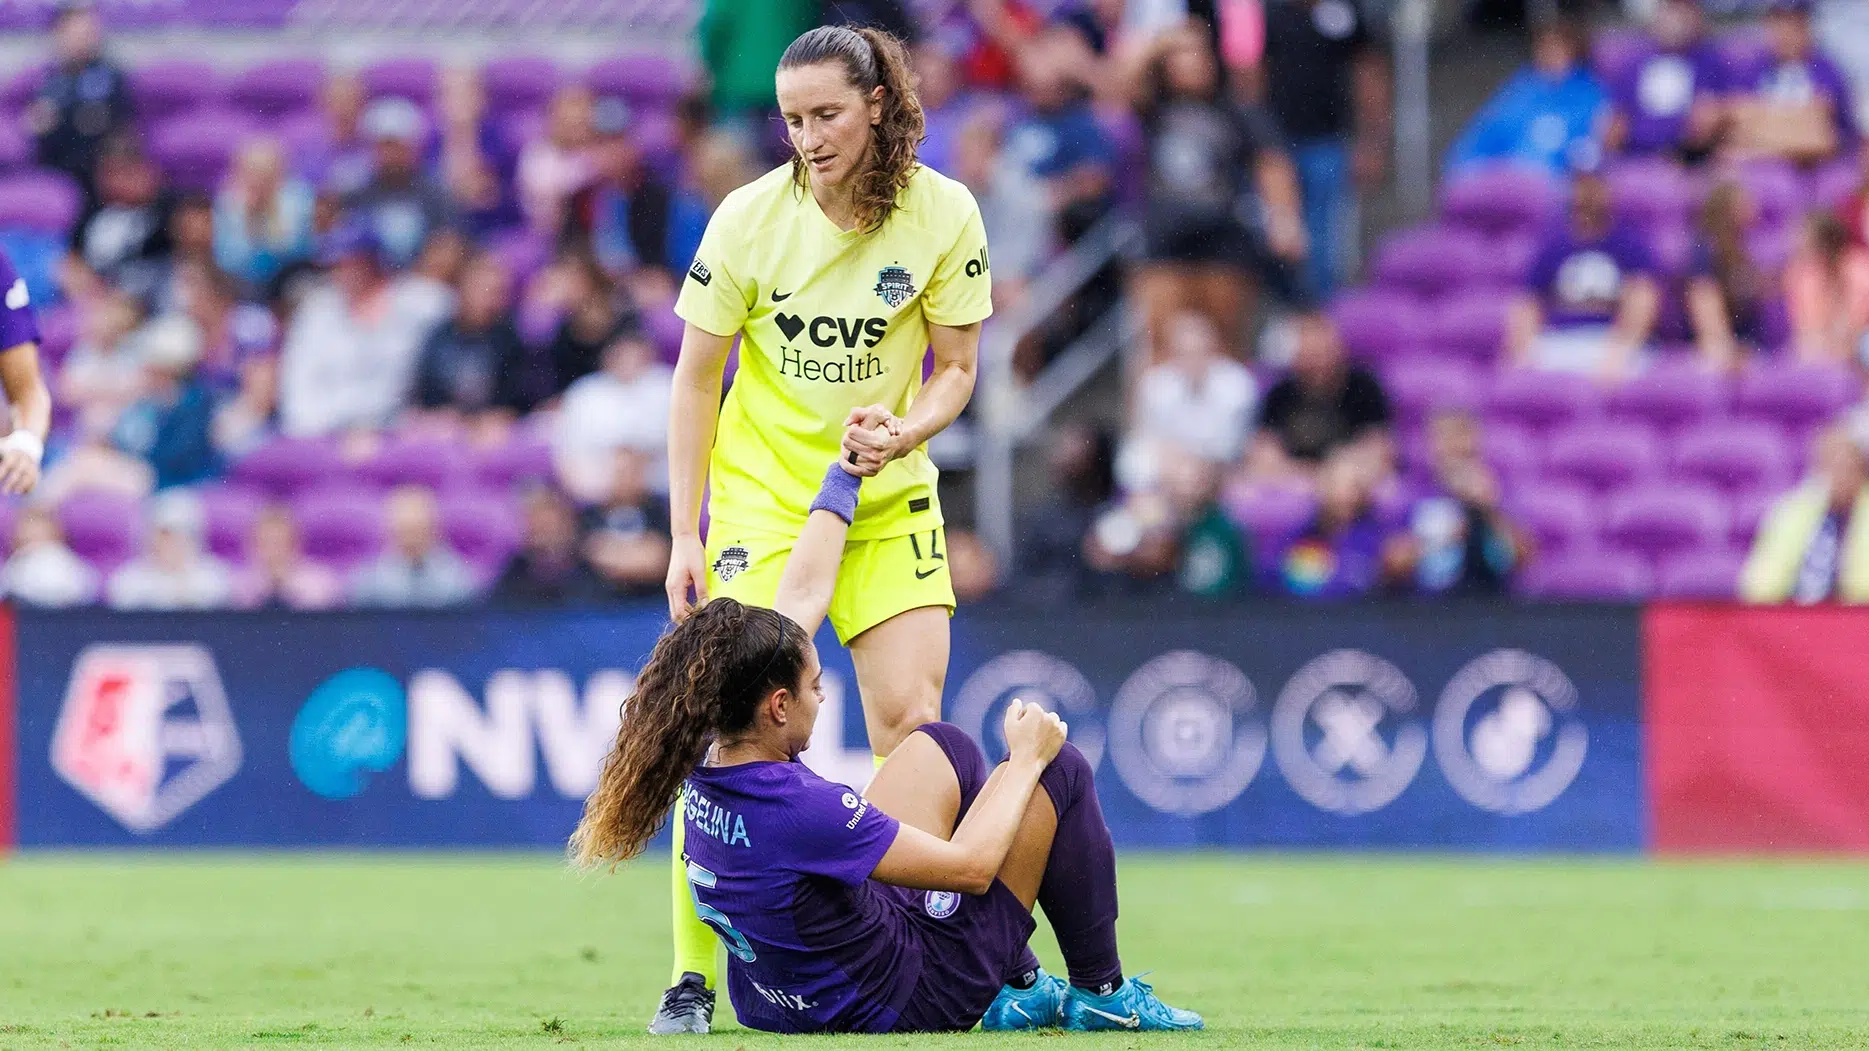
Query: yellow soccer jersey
829	320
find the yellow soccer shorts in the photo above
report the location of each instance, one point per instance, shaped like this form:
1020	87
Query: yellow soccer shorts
877	579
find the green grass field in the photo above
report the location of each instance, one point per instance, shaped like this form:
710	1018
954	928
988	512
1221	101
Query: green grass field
221	951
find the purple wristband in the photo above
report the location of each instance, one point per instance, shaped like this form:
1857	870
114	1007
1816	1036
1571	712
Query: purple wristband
838	494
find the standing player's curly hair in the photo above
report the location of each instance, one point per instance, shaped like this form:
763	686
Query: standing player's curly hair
870	57
705	680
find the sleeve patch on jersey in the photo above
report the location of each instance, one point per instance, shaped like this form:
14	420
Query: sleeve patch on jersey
918	505
701	273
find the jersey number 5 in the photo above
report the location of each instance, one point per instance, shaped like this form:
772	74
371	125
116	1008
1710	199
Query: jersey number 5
736	942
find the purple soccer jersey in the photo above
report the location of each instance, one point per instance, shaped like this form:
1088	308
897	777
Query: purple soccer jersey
1580	280
16	321
1656	94
779	860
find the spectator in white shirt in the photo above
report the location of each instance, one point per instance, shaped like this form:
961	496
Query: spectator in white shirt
174	571
1199	400
42	570
623	406
419	569
350	353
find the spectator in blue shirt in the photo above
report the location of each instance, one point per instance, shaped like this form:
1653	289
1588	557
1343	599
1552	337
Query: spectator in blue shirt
263	218
1057	138
1549	116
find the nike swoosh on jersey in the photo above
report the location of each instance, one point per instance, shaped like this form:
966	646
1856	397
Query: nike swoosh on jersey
919	575
777	298
1133	1021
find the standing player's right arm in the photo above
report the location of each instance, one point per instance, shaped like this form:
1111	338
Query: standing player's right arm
21	451
694	412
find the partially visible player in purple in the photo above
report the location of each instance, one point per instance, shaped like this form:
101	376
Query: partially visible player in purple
23	447
902	911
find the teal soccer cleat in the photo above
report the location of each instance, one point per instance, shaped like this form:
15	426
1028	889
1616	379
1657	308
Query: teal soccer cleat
1040	1007
1134	1007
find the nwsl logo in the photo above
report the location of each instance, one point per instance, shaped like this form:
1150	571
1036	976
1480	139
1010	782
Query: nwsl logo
145	732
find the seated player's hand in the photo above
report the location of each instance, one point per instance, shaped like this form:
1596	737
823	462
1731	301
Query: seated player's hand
1032	732
19	472
873	436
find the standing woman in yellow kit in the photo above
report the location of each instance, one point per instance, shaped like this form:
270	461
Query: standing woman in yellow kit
838	273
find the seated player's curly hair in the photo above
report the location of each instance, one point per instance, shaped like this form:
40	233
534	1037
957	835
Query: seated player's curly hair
870	57
704	681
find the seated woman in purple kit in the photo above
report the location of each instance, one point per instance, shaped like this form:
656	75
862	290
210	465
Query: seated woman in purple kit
906	909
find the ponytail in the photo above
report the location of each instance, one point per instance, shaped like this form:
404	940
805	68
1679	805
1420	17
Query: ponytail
705	679
871	58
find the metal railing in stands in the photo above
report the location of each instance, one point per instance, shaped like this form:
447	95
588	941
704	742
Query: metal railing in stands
1008	416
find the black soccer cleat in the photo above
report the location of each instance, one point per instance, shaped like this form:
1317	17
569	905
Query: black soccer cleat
687	1007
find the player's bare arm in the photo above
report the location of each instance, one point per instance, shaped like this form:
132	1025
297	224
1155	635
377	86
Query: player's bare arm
22	450
940	403
694	412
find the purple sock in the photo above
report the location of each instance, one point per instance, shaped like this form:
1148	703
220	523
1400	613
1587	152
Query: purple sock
1078	892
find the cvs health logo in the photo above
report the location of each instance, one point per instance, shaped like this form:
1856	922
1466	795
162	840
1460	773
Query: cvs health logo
145	731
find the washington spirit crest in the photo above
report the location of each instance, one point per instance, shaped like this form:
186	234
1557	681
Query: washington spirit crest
895	285
732	562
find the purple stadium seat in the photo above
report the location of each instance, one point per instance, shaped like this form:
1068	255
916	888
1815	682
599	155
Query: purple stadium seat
1734	455
1651	192
1269	513
1797	395
39	199
1419	386
194	150
162	90
518	129
58	330
1511	451
482	526
16	150
1779	193
430	463
524	458
1431	260
1603	455
520	82
1559	517
1771	245
306	139
1674	393
1472	325
1671	246
1749	510
525	252
1377	323
1501	200
1608	575
285	466
102	528
282	86
340	525
644	81
231	511
409	78
1542	400
665	328
1702	573
1833	183
1657	521
22	88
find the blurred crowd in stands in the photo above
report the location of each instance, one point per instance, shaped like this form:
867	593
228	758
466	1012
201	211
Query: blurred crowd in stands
402	336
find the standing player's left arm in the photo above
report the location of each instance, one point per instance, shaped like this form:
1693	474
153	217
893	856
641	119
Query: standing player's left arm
956	359
21	451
